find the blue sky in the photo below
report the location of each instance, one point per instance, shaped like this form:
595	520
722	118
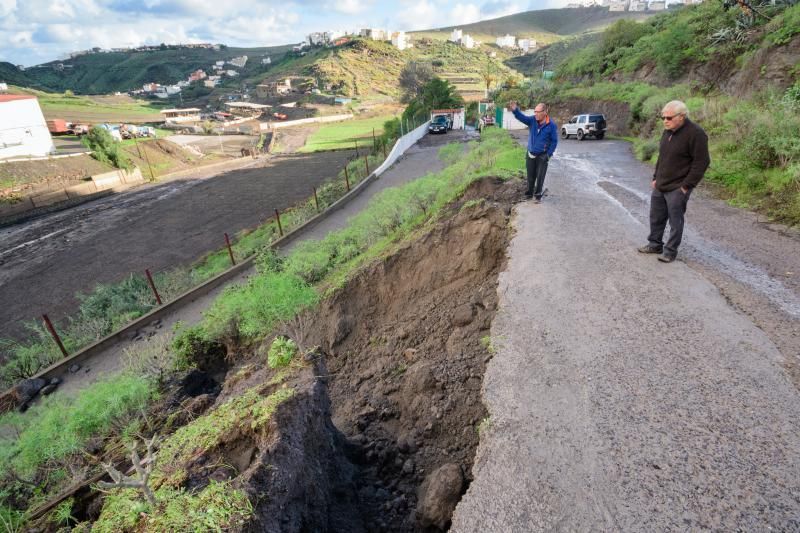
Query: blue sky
37	31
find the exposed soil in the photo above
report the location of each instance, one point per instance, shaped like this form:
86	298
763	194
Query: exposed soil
382	429
21	176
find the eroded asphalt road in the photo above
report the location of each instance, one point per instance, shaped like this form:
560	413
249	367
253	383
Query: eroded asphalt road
630	395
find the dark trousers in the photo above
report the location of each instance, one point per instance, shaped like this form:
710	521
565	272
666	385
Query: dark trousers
667	206
537	168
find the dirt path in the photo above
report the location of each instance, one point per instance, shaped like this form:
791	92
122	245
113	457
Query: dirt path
629	395
46	261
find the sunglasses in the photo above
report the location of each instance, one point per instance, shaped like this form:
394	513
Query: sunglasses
665	117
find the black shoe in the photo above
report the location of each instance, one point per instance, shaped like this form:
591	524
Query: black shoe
664	258
537	200
528	196
649	249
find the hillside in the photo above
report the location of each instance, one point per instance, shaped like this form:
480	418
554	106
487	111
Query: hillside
551	56
546	26
109	72
737	74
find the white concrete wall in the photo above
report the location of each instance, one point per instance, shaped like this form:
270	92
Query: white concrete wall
23	130
510	122
402	144
267	126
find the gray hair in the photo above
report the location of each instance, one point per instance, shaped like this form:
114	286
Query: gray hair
677	107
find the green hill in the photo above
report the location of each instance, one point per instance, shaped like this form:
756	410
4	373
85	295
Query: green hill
11	75
100	73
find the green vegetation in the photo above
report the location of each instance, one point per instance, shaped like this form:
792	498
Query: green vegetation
753	154
218	507
281	352
48	435
436	94
344	134
104	148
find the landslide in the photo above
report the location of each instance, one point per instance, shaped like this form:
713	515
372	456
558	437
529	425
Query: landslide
377	424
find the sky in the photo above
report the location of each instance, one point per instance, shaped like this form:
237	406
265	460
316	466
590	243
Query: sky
37	31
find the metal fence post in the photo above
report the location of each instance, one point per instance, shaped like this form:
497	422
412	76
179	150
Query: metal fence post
316	200
366	164
230	250
152	285
346	178
278	218
52	330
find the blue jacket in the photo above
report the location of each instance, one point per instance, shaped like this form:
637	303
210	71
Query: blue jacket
542	138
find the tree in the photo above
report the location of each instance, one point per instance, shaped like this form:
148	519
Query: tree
413	78
436	94
489	74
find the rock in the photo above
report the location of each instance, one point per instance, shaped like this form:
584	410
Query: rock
48	389
27	389
408	467
410	354
463	315
438	496
73	369
342	329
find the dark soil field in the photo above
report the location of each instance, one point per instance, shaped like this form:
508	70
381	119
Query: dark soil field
46	261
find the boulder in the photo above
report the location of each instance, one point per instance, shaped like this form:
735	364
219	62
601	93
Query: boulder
439	495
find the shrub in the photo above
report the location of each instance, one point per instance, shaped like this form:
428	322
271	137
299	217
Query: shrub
105	149
190	345
281	352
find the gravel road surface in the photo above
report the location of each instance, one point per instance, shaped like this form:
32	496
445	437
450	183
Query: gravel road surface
630	395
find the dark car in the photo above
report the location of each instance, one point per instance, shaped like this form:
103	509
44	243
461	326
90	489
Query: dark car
439	124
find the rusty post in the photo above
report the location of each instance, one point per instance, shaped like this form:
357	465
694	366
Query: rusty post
152	285
52	330
230	250
366	164
278	218
346	178
316	200
374	141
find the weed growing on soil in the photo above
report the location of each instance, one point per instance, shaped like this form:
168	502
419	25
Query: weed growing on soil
246	413
281	352
218	507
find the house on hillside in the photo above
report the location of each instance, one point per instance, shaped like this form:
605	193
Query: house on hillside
507	41
23	130
246	109
456	36
527	45
198	74
3	87
277	88
400	40
658	5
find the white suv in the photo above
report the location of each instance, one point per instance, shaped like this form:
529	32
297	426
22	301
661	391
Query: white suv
580	126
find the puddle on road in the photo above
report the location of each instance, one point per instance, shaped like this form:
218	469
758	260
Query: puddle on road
636	205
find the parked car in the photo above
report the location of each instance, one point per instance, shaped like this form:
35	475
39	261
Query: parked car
486	120
581	126
447	118
438	124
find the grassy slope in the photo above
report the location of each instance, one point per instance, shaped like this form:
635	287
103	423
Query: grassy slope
344	134
94	110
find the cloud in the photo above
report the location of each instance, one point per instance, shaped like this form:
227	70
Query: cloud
419	15
500	8
7	7
463	14
349	7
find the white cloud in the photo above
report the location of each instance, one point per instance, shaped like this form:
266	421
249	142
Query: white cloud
463	14
349	7
419	15
7	7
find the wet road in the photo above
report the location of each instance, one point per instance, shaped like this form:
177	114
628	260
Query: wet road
631	395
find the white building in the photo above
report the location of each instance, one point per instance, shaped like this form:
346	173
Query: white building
456	36
173	116
658	5
508	41
527	44
240	61
23	130
376	34
3	87
318	38
467	41
266	61
618	5
400	40
637	5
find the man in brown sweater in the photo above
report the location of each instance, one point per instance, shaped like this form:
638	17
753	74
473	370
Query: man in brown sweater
682	160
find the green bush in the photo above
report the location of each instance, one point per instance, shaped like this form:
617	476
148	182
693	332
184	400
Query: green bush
281	352
190	345
105	148
57	427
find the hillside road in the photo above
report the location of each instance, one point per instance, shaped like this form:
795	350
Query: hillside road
630	395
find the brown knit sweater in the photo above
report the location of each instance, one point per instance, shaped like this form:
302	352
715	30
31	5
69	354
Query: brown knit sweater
682	157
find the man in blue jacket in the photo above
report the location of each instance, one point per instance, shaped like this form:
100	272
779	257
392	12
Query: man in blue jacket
542	142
